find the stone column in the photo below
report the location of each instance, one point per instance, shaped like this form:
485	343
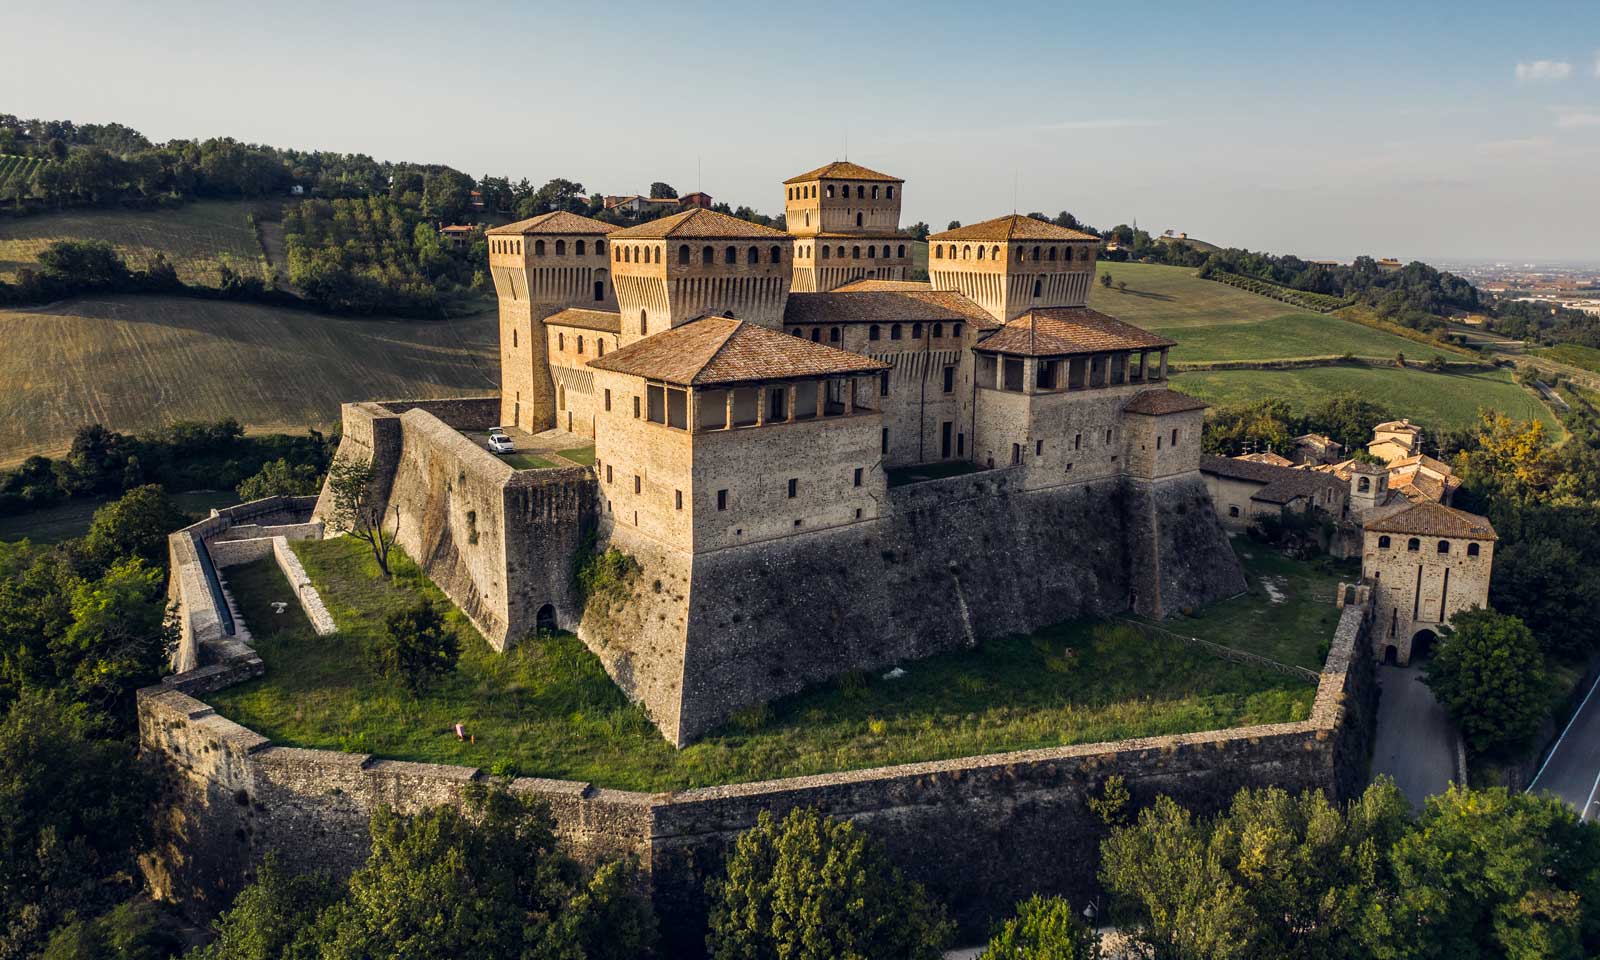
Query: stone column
1163	364
822	399
850	395
788	404
761	406
727	419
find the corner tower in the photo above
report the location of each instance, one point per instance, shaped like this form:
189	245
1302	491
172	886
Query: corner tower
846	222
542	265
699	262
1012	264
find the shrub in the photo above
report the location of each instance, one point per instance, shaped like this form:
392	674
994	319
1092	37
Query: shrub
415	648
280	478
1043	929
1489	676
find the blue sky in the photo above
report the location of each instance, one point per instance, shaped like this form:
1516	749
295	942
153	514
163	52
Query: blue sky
1425	129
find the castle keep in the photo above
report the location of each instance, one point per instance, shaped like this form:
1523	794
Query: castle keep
817	464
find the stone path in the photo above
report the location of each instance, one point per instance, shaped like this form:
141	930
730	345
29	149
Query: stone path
1416	742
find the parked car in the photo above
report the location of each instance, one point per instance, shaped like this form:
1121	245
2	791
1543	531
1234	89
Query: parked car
500	443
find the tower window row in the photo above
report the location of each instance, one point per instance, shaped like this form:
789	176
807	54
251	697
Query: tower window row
580	248
708	254
842	191
838	252
951	251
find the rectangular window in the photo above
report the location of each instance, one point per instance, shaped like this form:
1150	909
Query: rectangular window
885	441
608	473
1108	436
961	444
944	439
1016	453
1038	447
722	499
638	484
858	477
1077	441
655	403
794	487
635	408
608	401
1174	437
883	384
678	496
949	379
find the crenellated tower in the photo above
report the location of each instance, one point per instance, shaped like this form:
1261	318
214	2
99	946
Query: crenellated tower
699	262
542	265
845	220
1011	264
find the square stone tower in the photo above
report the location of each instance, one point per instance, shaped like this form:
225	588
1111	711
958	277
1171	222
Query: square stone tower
1425	562
540	266
846	222
1011	264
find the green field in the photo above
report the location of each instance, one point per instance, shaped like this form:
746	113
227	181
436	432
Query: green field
1437	400
16	175
1213	321
195	238
136	363
548	709
71	519
1585	358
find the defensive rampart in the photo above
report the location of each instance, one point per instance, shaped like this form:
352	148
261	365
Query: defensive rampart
980	832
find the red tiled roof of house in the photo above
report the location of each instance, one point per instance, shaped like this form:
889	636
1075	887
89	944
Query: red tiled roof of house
1433	520
1155	403
717	351
586	320
1013	226
874	285
700	222
1064	331
557	221
884	306
842	170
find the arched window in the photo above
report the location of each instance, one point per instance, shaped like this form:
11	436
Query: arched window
538	248
1052	254
752	256
1383	542
1363	486
627	254
561	341
858	219
824	251
855	253
938	330
994	252
956	330
599	248
830	191
872	253
873	333
1413	545
600	346
1036	252
708	256
1472	549
916	331
980	251
861	193
580	344
1444	546
891	192
658	254
644	323
616	254
1022	254
838	252
966	253
900	251
874	193
777	254
833	335
578	248
796	332
938	251
599	290
894	332
816	334
730	255
683	253
561	248
1038	287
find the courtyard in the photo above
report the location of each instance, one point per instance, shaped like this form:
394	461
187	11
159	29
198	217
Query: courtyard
548	709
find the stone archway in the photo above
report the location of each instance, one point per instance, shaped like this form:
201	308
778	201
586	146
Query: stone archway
1422	643
1391	654
545	620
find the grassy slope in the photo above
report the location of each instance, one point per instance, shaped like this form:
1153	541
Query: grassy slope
194	238
54	524
547	708
1586	358
134	363
1213	321
1438	400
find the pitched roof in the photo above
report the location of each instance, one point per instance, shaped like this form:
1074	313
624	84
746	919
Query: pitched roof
1268	457
1405	425
882	306
700	222
842	170
586	320
1434	520
874	285
716	351
1013	226
1154	403
557	221
1063	331
1278	484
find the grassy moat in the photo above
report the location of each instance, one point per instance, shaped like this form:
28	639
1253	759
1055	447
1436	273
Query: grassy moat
548	709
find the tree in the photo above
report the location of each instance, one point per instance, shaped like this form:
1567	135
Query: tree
131	931
1509	459
811	888
1487	874
446	194
72	808
274	918
1043	929
134	526
119	639
919	230
662	191
280	478
357	507
953	224
96	462
1488	674
88	264
415	647
557	194
1122	286
1105	280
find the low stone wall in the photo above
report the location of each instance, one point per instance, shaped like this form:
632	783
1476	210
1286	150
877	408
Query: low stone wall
310	599
980	832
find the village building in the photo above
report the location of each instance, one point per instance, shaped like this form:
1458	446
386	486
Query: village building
1246	491
1423	563
1315	448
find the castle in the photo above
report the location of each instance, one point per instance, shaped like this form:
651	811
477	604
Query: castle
815	463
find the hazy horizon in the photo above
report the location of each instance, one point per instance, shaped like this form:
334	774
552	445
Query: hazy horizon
1428	132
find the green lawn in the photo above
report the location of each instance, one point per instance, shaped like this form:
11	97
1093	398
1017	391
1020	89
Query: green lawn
1436	400
548	709
1587	358
1289	614
583	456
71	519
898	476
526	461
1213	321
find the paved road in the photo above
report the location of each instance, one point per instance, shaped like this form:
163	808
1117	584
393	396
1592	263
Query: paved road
1572	771
1416	742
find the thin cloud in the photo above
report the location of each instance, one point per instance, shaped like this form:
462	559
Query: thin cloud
1597	64
1538	70
1094	124
1574	118
1522	145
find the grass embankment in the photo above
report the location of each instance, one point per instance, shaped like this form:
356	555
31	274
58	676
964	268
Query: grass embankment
1439	400
548	709
1214	321
195	238
71	519
139	363
1584	358
1289	615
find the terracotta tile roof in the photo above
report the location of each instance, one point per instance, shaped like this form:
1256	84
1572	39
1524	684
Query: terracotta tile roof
559	221
716	351
1424	462
700	222
1013	226
1154	403
885	306
1278	484
1432	520
842	170
1270	458
586	320
1397	425
1063	331
874	285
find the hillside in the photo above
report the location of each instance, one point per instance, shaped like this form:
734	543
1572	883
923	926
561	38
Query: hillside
195	238
137	362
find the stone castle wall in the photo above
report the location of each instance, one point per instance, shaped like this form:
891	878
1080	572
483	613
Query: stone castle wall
980	832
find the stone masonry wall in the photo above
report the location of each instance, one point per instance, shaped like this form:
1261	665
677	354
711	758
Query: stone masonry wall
980	832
